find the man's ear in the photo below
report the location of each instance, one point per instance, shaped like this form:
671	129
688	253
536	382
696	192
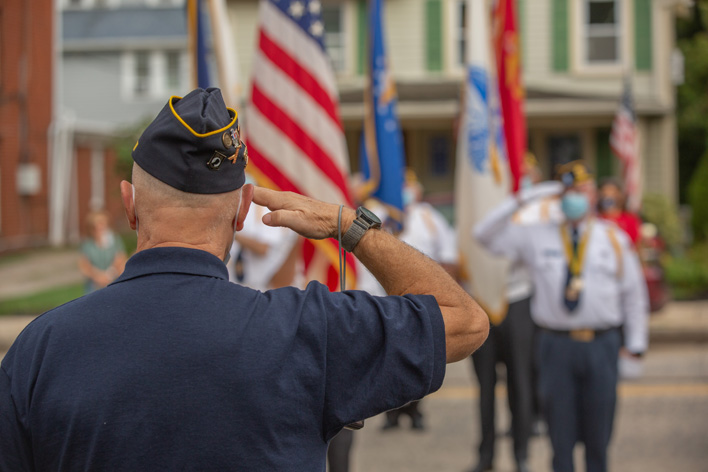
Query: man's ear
126	194
246	199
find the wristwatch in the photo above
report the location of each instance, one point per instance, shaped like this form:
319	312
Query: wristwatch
365	220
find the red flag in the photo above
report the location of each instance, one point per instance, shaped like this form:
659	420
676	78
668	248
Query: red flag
624	144
511	88
294	134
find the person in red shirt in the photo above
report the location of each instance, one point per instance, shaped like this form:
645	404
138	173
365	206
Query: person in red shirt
611	206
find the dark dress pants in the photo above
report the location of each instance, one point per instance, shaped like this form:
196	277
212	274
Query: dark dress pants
339	451
578	393
511	343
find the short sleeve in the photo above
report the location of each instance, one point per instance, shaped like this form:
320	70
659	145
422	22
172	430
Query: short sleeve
14	444
381	353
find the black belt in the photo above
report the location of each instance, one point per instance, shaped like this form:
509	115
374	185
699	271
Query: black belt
582	334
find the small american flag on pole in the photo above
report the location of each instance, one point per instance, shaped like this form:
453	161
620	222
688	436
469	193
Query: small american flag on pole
624	142
294	134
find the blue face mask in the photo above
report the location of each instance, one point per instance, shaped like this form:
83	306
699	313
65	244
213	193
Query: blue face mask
574	205
607	203
526	182
408	197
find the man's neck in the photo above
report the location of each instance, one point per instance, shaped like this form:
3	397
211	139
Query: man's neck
218	249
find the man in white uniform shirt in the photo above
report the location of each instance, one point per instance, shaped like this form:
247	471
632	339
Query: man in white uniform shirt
510	342
590	299
266	253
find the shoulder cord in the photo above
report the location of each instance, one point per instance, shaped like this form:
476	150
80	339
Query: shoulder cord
618	250
342	284
342	264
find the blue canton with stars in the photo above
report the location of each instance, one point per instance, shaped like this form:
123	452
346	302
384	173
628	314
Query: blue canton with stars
307	14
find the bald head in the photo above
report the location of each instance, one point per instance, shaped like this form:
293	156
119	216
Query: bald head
167	216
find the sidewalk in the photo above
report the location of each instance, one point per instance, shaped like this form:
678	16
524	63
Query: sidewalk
677	322
39	270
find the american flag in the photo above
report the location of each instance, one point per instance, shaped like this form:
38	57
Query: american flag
295	137
624	143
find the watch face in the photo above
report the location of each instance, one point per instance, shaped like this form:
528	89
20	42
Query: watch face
369	216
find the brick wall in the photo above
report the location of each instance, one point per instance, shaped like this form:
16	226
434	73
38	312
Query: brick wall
26	48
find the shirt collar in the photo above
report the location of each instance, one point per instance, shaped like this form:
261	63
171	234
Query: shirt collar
174	260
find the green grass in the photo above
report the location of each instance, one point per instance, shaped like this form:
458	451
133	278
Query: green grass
40	302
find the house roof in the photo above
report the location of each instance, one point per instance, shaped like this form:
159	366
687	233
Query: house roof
107	28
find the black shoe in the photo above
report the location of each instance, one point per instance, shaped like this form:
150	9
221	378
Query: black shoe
481	468
417	423
389	425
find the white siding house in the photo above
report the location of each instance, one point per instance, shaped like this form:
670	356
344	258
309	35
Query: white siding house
576	54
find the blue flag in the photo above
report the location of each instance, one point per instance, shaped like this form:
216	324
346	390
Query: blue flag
382	158
198	26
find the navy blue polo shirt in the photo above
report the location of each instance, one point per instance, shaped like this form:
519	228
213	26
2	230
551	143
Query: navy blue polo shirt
172	367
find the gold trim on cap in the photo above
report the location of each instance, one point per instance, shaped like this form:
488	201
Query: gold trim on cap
201	135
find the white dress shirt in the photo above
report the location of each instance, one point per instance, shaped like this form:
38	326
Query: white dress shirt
259	270
427	230
614	293
519	285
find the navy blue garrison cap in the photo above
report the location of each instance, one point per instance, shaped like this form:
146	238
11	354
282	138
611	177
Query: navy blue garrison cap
194	145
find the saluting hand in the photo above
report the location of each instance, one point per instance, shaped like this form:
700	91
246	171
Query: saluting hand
306	216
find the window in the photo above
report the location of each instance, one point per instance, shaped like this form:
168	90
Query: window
461	32
439	152
602	25
563	149
141	86
333	18
173	69
153	74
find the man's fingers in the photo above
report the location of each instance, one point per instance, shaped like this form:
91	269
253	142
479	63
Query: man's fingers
265	197
280	218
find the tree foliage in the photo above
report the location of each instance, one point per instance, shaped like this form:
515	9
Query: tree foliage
698	198
692	100
124	144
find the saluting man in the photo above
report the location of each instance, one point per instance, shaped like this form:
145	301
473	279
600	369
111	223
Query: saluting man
590	299
172	367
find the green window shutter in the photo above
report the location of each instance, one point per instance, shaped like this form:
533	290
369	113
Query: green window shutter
521	25
604	157
560	35
361	36
433	35
642	34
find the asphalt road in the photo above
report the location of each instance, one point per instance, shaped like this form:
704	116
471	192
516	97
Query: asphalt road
661	424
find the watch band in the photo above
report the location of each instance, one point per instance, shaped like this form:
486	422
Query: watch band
354	234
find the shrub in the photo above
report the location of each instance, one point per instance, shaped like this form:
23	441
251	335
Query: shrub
698	199
657	209
688	275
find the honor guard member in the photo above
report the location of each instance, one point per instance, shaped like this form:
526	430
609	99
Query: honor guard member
172	367
268	255
590	298
427	230
510	342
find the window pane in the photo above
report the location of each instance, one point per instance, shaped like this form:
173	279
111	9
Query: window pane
334	37
172	59
332	17
602	13
439	155
142	72
462	33
563	149
602	49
